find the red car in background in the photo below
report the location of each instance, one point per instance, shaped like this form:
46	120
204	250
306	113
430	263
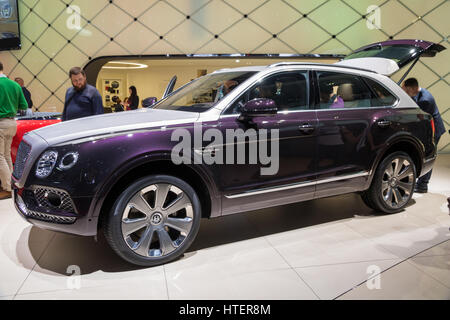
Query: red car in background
29	123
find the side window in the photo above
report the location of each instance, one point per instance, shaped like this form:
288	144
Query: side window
289	90
341	90
383	97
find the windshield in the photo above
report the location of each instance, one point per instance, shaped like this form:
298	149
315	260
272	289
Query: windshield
202	94
401	54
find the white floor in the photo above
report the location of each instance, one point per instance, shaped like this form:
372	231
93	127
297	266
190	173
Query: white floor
322	249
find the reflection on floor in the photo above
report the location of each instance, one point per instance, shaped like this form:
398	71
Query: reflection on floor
322	249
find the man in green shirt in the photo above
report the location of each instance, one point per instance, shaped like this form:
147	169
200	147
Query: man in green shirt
11	99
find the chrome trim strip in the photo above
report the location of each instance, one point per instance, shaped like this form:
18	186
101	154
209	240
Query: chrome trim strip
296	185
429	160
235	115
355	109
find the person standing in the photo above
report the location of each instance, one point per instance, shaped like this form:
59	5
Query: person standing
82	100
426	102
11	100
132	102
117	106
26	93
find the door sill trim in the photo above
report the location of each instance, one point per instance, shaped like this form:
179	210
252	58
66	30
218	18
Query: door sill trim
296	185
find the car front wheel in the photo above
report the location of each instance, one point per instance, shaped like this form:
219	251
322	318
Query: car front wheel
154	220
393	184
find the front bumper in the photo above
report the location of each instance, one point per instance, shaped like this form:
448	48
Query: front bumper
51	219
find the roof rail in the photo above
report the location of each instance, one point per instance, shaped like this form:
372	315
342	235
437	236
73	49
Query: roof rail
280	64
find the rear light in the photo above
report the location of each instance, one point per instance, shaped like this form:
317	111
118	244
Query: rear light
433	128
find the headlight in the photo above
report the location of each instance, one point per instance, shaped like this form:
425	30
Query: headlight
68	161
46	164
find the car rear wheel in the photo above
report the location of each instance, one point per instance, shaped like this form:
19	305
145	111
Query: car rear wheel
154	220
393	184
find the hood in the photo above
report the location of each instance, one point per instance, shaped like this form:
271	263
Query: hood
390	56
113	123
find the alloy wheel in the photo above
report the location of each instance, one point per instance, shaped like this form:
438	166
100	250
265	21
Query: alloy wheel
157	220
398	182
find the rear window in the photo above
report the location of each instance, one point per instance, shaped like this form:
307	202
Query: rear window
401	54
340	90
383	97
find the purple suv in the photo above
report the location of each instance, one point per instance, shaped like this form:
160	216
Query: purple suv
231	141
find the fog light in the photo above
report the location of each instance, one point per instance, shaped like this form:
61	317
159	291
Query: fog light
54	199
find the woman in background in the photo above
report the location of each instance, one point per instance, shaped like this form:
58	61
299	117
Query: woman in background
132	103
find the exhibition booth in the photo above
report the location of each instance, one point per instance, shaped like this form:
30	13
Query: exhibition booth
224	150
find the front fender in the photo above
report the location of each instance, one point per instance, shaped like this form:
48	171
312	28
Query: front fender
147	160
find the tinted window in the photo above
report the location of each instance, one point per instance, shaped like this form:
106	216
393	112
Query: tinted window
202	94
340	90
399	53
383	97
289	90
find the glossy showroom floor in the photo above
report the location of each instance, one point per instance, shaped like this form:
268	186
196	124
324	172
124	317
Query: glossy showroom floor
322	249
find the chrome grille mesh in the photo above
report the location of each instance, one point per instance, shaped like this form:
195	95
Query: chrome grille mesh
41	195
22	156
49	217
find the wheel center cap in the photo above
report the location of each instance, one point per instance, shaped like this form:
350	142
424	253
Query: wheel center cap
156	218
393	182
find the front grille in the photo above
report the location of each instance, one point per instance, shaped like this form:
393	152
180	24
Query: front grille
44	195
22	156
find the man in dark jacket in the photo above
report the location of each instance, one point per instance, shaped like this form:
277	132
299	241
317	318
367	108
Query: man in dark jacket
25	91
82	100
426	102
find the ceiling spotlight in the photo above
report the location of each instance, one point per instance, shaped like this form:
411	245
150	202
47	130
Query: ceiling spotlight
124	65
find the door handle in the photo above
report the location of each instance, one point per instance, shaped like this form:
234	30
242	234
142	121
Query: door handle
384	123
306	128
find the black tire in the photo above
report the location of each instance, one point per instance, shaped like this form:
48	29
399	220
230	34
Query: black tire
379	200
114	221
366	200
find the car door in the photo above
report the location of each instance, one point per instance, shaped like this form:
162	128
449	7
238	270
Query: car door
354	121
243	185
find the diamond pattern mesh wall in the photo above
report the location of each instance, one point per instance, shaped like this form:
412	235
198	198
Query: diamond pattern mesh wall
58	34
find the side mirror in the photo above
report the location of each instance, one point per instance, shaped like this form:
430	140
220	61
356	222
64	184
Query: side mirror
259	108
148	102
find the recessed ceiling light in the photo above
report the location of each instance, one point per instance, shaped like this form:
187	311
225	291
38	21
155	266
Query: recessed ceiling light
124	65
